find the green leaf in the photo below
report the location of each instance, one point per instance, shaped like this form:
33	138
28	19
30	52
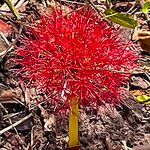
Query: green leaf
146	7
143	98
121	19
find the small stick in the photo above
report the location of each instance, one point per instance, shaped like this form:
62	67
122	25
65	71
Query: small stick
4	38
11	123
15	124
91	3
125	145
3	53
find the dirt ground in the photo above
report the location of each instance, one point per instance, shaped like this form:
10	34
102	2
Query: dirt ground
26	120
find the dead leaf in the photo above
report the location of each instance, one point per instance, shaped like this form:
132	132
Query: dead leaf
7	94
49	119
137	81
147	138
144	38
142	147
5	28
137	92
21	6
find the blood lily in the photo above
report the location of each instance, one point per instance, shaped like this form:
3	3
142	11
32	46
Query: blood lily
77	59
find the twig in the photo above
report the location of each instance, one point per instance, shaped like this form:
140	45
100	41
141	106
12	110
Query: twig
3	53
11	123
125	146
74	2
15	124
20	2
8	116
32	136
91	3
12	45
4	38
147	74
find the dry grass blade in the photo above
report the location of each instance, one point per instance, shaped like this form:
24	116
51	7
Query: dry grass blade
13	9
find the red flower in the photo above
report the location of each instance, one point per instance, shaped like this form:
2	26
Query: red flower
76	53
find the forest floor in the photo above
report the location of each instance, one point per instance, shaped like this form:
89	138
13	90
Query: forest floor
26	124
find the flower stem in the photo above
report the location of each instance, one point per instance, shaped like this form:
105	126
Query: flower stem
73	123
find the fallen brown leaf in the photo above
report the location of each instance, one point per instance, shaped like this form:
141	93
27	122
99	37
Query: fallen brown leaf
144	38
142	147
5	28
7	94
137	92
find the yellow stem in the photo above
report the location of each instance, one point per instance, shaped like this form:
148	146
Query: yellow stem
73	123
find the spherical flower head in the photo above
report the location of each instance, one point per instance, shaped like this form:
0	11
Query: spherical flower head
76	54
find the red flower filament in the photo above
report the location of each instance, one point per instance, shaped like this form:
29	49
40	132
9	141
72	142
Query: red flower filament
76	53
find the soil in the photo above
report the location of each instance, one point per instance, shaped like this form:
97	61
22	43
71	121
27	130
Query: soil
124	126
